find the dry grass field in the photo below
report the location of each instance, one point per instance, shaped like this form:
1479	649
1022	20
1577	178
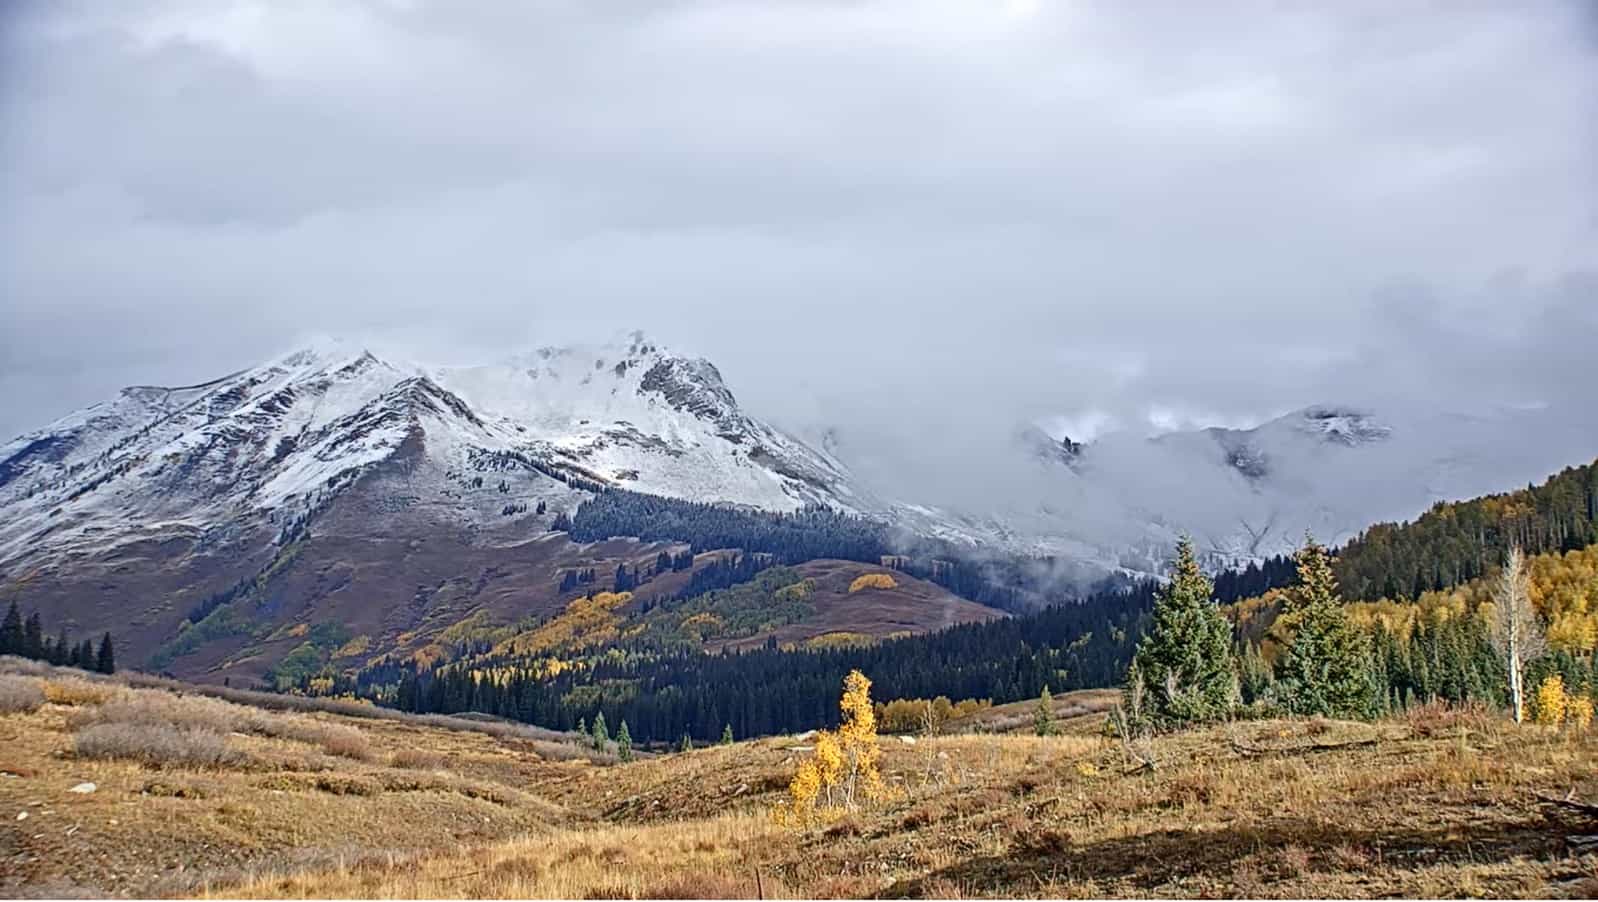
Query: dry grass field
198	796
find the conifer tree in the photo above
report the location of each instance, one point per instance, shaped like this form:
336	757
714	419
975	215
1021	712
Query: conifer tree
726	735
1043	714
11	642
1185	660
1326	669
106	660
601	733
624	742
1315	583
687	743
582	725
33	637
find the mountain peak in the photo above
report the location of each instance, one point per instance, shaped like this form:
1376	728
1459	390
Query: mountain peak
327	353
1341	424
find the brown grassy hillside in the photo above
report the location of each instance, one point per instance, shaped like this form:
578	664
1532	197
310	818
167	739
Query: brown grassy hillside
328	804
910	606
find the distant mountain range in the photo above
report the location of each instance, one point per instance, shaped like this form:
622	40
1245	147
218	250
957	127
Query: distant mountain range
432	492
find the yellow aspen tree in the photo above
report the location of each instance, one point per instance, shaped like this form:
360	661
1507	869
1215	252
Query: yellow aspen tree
803	791
872	581
1578	712
1550	701
828	760
858	737
842	767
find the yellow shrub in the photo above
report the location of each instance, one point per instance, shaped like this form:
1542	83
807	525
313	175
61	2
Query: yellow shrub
910	715
1578	712
1548	706
872	581
356	646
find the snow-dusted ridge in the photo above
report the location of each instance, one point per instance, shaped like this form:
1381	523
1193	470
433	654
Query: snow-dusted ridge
260	449
270	442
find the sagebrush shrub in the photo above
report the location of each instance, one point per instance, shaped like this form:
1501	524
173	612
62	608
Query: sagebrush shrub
156	743
20	695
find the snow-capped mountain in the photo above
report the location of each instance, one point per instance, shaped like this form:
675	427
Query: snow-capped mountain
277	440
430	492
1122	499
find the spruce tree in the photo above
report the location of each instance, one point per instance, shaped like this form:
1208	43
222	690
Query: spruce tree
11	642
1326	669
1185	660
601	734
33	637
687	743
624	742
726	735
1315	583
105	661
1043	714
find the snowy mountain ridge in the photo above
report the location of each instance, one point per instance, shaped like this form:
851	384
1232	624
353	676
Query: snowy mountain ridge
272	440
480	449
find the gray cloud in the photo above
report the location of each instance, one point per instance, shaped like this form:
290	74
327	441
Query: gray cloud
886	215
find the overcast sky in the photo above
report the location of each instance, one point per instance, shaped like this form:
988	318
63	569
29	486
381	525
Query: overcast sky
895	215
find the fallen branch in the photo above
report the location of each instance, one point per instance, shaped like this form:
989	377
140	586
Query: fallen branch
461	876
1249	751
1147	767
1568	803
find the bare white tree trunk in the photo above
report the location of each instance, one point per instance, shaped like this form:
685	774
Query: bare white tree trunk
1517	632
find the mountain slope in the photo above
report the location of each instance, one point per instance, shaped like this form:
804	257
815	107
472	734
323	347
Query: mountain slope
163	505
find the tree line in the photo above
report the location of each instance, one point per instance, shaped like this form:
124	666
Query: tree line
664	694
1458	541
1190	666
1168	644
26	638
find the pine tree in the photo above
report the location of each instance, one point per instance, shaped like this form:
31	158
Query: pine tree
1326	669
60	651
1043	715
105	661
624	742
1185	659
11	641
582	725
1315	583
687	743
33	637
726	735
601	734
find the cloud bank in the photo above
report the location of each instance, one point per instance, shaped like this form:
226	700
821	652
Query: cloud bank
921	223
